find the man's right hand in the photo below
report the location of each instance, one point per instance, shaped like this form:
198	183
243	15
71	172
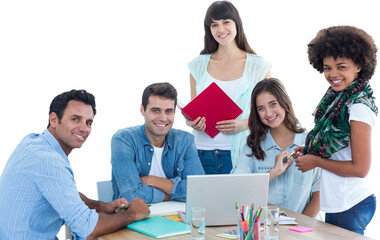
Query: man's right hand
107	223
139	209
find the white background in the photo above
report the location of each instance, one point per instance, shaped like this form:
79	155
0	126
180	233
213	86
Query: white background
114	49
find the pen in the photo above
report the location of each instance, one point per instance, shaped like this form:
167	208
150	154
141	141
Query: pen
121	208
239	219
252	214
285	159
258	215
244	226
254	220
242	212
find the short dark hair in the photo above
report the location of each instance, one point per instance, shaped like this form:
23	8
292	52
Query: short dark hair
59	103
164	89
344	42
223	10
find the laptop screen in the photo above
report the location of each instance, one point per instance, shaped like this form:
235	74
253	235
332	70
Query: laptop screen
219	193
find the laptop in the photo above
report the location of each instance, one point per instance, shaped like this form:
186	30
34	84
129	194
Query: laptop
218	194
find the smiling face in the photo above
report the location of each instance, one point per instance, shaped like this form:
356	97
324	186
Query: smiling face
75	126
224	31
159	118
269	109
340	72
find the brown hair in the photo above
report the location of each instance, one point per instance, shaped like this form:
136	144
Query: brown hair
257	128
164	89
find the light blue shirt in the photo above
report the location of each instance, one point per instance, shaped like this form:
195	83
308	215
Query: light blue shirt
131	158
38	193
292	189
255	69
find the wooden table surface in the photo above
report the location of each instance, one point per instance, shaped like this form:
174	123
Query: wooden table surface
321	231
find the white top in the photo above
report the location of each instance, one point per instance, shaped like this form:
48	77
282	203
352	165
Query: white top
221	141
341	193
156	167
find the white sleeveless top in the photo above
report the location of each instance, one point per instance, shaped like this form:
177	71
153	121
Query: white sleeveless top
221	141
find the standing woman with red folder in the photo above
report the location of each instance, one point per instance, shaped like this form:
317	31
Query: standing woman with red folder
228	60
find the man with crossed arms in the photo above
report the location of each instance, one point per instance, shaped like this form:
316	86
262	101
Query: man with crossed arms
152	161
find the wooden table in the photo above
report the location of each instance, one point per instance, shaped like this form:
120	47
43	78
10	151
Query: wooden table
322	230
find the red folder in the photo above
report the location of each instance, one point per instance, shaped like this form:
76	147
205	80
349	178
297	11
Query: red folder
213	104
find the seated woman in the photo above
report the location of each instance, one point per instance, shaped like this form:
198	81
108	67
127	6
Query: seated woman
274	132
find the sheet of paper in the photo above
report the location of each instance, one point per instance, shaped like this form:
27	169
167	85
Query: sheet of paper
284	220
301	229
167	208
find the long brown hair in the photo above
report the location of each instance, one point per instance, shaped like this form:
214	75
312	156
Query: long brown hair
259	129
223	10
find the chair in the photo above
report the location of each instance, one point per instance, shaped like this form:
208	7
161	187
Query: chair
68	235
105	192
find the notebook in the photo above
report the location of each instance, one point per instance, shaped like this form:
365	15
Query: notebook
213	104
218	194
160	227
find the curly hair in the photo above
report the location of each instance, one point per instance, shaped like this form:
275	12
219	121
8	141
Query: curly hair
258	129
345	42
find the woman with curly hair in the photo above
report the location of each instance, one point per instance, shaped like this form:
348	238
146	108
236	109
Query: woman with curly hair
274	132
340	142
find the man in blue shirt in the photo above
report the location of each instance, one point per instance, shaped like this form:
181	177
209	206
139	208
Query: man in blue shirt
37	188
152	161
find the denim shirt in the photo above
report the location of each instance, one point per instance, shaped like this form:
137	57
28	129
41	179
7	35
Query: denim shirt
292	189
131	158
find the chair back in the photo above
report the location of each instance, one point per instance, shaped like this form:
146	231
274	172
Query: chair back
105	192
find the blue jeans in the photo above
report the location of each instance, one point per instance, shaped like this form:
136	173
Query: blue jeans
216	161
356	218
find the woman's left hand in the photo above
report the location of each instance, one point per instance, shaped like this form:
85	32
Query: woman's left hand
306	162
298	151
232	126
280	165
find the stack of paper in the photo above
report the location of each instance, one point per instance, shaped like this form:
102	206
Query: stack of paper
232	234
284	220
166	208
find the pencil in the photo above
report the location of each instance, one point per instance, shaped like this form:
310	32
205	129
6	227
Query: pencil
121	208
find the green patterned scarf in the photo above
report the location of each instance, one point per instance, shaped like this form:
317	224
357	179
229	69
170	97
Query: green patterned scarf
332	128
